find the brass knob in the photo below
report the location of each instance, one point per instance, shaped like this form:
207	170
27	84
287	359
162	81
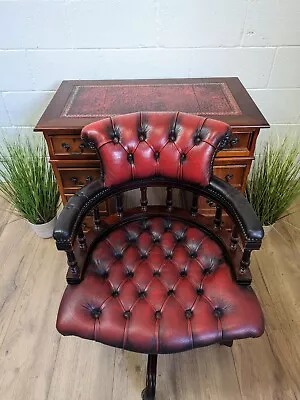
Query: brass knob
66	146
234	141
74	180
210	203
89	179
228	177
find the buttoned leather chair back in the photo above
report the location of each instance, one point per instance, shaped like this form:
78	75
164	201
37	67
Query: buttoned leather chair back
142	145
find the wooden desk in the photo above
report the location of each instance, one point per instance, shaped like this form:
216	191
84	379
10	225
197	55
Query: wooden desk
77	103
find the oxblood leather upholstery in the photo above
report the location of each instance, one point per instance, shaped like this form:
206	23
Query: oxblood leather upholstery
141	145
159	286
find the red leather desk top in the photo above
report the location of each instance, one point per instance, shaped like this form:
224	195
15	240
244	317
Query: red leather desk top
77	103
98	101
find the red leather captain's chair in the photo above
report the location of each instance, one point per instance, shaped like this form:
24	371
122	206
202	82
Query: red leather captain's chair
158	279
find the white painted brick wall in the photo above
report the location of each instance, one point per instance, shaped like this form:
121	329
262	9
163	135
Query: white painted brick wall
43	42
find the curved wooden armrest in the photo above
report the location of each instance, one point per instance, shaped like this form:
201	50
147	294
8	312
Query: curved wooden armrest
236	204
71	217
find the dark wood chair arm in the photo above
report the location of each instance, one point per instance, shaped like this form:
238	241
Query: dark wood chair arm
238	207
70	219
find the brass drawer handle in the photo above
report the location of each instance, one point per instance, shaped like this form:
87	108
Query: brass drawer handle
210	203
89	179
228	177
234	141
66	146
74	180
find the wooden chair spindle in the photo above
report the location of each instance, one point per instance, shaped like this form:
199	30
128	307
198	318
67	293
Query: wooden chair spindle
234	238
119	205
169	199
144	199
218	217
81	239
245	262
97	222
72	263
194	208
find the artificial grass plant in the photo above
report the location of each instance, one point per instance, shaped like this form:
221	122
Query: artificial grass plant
274	183
27	179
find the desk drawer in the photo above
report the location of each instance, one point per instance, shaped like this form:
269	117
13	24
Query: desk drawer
69	147
73	178
72	147
240	145
234	174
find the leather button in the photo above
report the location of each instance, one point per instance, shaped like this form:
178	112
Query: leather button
104	274
96	313
132	239
168	225
200	134
171	292
115	293
156	273
156	155
142	294
169	256
193	254
183	273
156	239
172	136
130	274
218	312
130	158
115	140
197	140
127	314
144	256
206	271
179	238
142	131
182	157
188	314
118	256
158	314
145	225
199	291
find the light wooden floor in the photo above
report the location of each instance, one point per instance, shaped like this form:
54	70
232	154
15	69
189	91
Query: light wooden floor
36	363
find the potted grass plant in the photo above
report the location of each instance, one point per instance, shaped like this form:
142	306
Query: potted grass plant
274	183
28	183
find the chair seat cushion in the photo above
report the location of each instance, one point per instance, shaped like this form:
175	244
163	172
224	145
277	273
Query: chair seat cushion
159	286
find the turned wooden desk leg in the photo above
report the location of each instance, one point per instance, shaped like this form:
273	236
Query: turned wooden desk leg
149	392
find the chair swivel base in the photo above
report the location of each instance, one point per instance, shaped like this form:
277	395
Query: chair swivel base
149	392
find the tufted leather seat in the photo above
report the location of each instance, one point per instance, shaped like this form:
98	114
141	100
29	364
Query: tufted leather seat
159	286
